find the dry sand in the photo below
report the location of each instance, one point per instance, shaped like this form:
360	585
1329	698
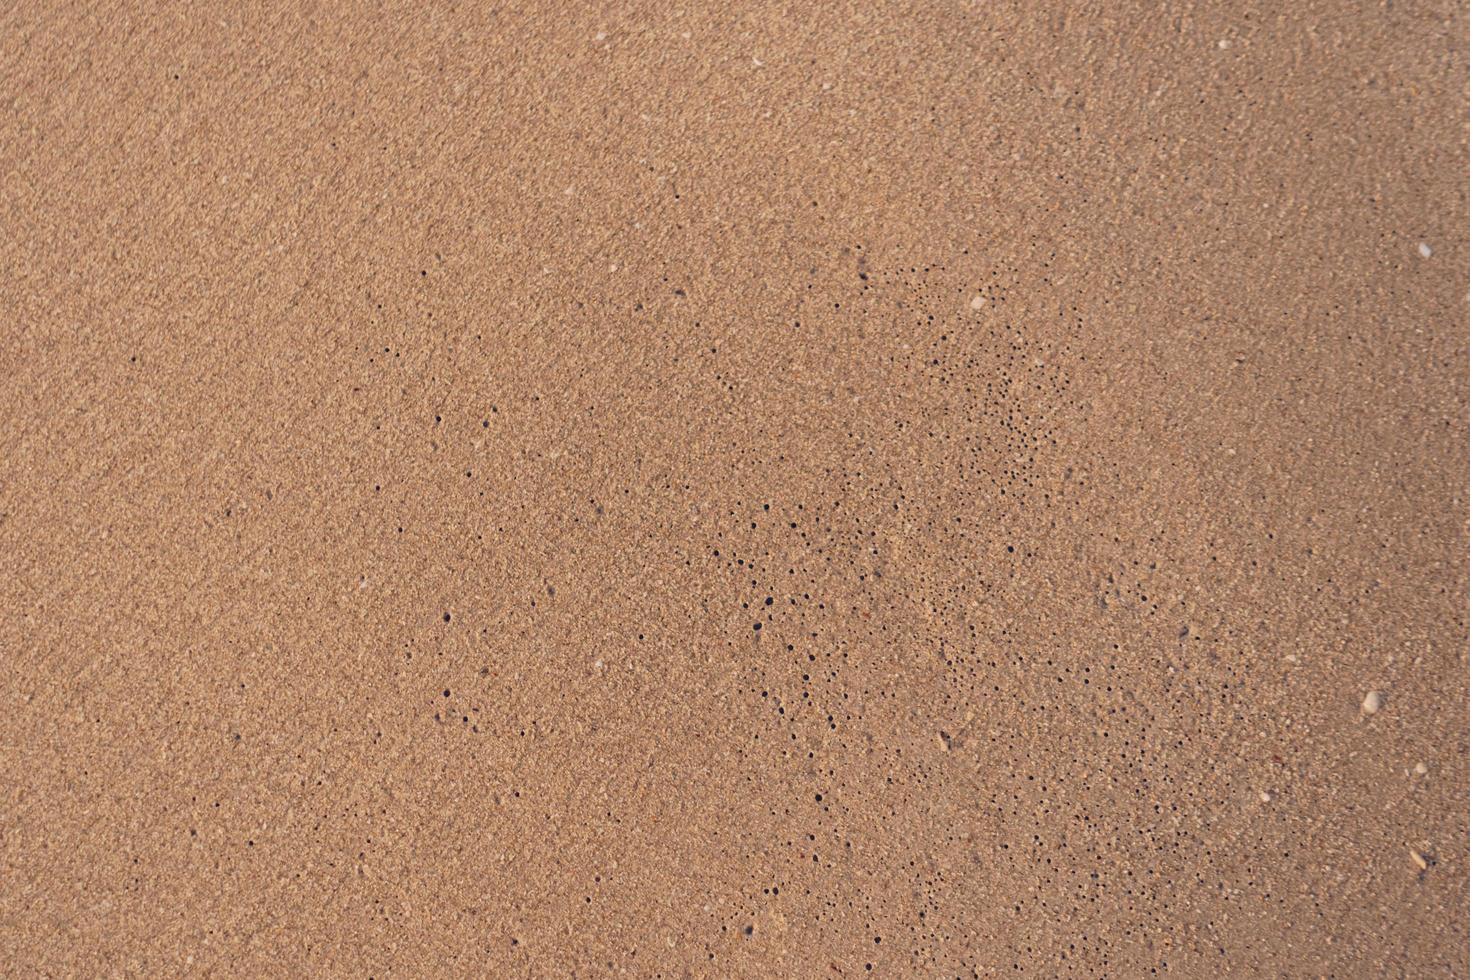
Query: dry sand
724	490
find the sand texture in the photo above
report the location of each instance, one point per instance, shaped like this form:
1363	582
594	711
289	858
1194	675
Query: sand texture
951	489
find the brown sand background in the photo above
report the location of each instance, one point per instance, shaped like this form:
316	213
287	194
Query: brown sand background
410	410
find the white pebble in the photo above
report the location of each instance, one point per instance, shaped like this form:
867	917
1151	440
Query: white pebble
1372	703
1266	796
1421	770
978	303
1424	250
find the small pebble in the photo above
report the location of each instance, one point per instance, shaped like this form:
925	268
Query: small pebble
1424	250
1421	770
978	303
1266	796
1419	859
1372	703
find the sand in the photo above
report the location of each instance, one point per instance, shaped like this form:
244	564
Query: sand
724	490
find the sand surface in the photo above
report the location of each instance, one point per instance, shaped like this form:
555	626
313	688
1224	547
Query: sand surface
734	490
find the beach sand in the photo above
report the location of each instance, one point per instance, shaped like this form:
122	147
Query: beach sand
763	490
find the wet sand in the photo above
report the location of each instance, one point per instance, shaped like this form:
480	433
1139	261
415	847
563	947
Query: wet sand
722	491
